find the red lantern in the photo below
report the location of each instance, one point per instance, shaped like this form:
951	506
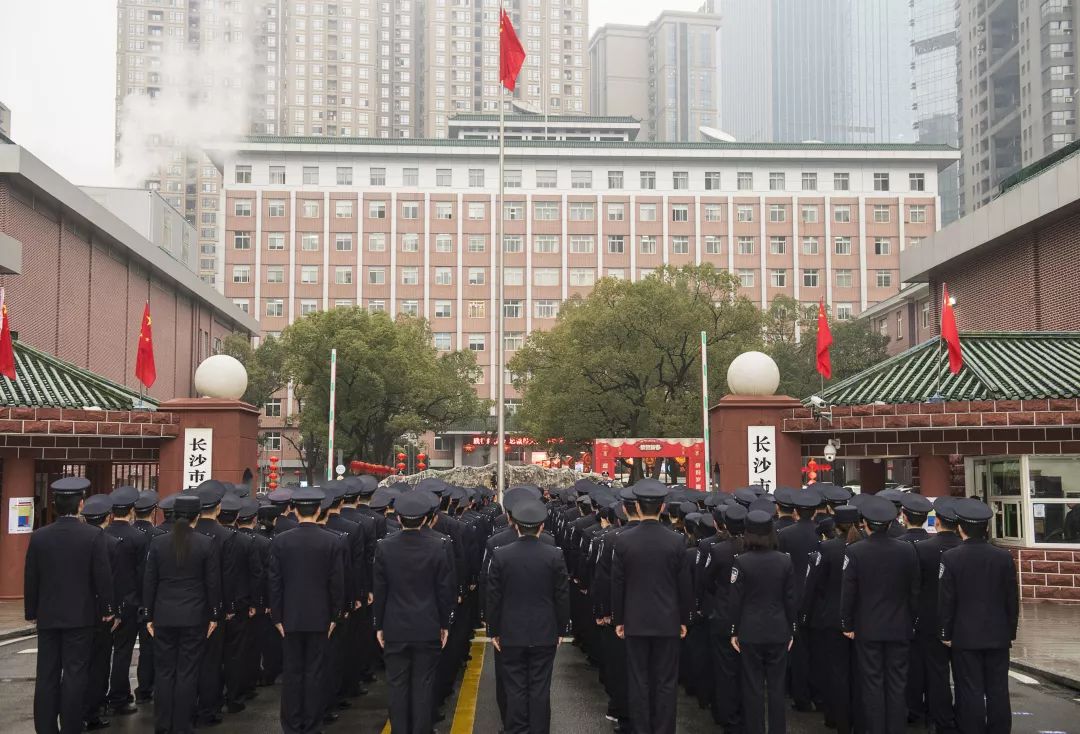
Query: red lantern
401	466
272	485
420	466
274	459
421	458
468	448
401	457
356	466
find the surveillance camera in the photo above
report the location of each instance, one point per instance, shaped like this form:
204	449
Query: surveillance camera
818	402
830	452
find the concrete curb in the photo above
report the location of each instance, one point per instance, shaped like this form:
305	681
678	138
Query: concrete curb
1062	680
18	632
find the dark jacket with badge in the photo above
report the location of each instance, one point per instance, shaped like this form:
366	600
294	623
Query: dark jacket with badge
763	598
184	594
820	605
414	586
929	552
651	590
979	606
67	580
799	540
880	589
528	594
130	558
233	557
307	579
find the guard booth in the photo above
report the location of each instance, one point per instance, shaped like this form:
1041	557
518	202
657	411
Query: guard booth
687	453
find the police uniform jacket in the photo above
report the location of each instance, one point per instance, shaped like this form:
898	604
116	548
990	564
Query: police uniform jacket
68	576
369	526
929	553
149	529
343	545
651	592
284	524
356	565
978	603
452	529
414	586
234	580
182	595
716	584
130	554
915	535
600	589
260	586
763	597
799	540
820	605
880	589
528	594
252	567
307	579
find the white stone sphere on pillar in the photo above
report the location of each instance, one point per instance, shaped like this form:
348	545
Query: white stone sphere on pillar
221	376
753	373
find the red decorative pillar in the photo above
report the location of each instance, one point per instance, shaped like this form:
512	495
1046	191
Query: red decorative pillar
729	423
234	448
935	474
18	482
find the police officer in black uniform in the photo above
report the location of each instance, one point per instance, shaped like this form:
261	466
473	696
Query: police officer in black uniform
799	540
878	601
652	598
182	597
259	623
978	612
727	668
307	594
131	556
144	513
415	592
250	571
528	608
96	511
67	592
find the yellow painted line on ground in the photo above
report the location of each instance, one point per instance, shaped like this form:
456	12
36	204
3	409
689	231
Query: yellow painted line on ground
386	729
465	712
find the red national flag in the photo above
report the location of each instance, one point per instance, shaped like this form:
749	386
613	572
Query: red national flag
145	370
824	341
950	333
511	54
7	352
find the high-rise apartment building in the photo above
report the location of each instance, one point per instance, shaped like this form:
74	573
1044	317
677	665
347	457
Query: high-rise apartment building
933	47
191	71
831	70
1017	89
664	74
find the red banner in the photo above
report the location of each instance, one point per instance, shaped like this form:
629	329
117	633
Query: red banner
607	450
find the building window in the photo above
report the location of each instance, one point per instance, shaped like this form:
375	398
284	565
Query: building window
647	212
275	307
778	278
242	175
272	408
441	340
476	178
899	326
272	440
744	213
614	179
680	212
546	309
514	276
409	307
244	304
581	179
410	276
275	273
477	276
810	278
376	210
242	207
777	213
512	309
410	210
746	245
842	181
513	211
545	277
344	175
477	210
712	212
343	275
777	181
477	309
843	311
377	242
581	211
512	243
746	278
443	177
884	279
582	276
241	274
917	181
809	214
917	214
310	209
842	214
881	182
376	276
277	175
925	315
616	212
809	181
545	244
810	246
343	209
680	245
242	240
881	245
648	180
843	278
712	180
444	210
842	246
547	211
744	180
546	179
343	242
712	245
309	242
410	177
309	274
275	241
275	208
477	342
581	244
881	214
778	245
444	276
378	177
311	175
512	178
477	243
680	180
444	243
308	307
343	303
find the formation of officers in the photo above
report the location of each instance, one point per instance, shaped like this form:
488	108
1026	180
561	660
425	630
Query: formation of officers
843	603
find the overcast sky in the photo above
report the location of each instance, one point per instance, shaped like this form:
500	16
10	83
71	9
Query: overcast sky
58	67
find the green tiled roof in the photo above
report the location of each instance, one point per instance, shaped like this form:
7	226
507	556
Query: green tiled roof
997	366
1031	171
43	381
599	144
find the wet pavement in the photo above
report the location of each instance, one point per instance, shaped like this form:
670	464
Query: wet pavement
578	705
1048	641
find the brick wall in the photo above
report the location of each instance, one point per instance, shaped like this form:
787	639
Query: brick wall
83	303
85	435
1048	574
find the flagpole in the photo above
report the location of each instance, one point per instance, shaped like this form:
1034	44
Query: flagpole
333	398
501	402
705	407
941	338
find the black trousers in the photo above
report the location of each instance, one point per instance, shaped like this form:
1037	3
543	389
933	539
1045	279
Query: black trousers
652	669
982	691
302	682
939	695
799	661
270	650
145	670
883	666
123	646
97	683
410	680
210	675
615	676
764	667
727	679
177	656
235	656
334	666
527	679
841	695
500	685
256	628
63	665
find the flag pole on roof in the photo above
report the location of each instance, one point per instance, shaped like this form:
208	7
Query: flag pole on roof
511	57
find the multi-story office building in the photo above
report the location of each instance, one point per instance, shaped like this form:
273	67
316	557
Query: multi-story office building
1017	89
933	47
664	74
411	228
153	218
831	70
188	70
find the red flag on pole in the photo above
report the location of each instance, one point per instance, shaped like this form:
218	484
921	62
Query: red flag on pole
824	341
145	370
950	333
511	54
7	352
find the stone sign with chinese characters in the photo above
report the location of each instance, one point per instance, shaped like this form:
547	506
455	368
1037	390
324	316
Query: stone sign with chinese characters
761	458
198	452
